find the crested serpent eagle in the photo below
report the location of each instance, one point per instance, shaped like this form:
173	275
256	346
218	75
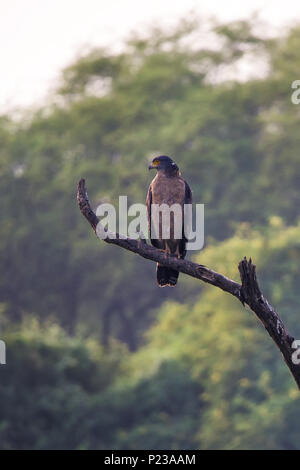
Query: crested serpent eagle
168	187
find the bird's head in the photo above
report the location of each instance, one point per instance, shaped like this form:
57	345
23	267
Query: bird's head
164	163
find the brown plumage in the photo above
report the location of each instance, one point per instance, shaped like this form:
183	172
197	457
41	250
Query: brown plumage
168	187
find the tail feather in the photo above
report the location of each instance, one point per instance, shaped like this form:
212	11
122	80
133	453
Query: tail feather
166	276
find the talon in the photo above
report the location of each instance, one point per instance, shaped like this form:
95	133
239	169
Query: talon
177	253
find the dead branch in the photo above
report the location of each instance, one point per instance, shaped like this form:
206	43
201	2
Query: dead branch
248	292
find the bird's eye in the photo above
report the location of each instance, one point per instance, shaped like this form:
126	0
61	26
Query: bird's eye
155	162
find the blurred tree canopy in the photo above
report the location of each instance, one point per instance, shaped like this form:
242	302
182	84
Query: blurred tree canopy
92	342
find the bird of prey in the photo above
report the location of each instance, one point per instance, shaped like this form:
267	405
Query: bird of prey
168	187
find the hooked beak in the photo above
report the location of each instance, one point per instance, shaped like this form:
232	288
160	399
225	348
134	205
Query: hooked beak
150	167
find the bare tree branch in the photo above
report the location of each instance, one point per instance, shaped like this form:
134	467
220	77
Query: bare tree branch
248	292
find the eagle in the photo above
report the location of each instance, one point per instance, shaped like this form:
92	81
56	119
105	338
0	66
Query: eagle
168	187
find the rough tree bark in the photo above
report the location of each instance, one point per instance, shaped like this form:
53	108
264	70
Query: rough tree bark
248	292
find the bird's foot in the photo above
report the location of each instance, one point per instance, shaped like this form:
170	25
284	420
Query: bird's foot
142	239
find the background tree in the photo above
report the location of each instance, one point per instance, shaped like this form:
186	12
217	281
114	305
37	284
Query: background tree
236	141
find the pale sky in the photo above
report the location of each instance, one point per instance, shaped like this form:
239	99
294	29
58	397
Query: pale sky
40	37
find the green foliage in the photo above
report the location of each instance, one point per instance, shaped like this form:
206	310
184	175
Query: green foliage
247	391
159	411
46	386
111	113
204	374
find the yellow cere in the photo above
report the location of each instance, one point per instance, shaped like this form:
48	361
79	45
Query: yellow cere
155	163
